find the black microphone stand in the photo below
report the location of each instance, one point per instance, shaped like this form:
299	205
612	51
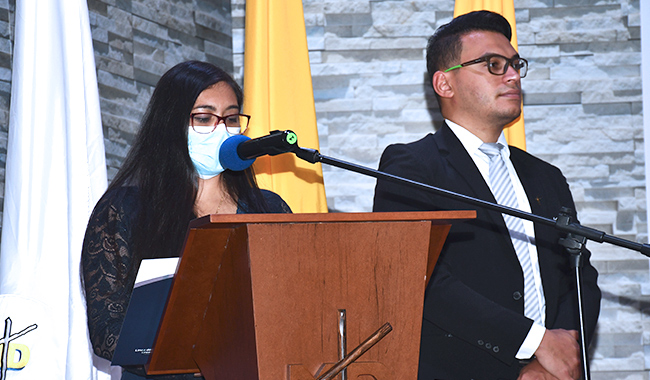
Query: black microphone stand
574	242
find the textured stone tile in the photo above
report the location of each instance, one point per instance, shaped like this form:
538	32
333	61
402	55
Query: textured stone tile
5	29
347	31
333	42
342	105
315	38
635	362
238	39
608	108
117	82
146	27
122	4
388	31
346	7
122	22
99	35
153	10
348	19
188	41
531	98
212	21
410	42
94	7
114	66
218	50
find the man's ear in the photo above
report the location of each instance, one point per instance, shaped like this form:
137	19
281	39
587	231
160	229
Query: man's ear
442	85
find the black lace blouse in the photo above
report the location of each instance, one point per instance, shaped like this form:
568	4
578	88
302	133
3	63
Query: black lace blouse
107	263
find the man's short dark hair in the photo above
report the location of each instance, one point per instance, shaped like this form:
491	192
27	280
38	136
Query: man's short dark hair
444	47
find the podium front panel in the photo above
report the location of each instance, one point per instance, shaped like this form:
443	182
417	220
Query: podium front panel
303	274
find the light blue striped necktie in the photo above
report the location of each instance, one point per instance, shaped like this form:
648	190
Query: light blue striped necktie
504	193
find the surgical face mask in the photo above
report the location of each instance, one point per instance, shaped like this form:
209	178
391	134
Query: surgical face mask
204	151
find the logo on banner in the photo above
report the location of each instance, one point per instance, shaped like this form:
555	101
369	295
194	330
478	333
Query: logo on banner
14	356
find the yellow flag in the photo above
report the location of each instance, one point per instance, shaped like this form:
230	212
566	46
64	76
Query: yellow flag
278	95
515	132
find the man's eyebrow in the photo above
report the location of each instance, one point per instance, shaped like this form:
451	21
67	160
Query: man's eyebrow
516	55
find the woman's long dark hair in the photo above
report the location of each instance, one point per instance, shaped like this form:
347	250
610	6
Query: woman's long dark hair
159	164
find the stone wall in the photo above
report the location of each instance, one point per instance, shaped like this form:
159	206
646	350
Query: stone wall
583	112
135	42
582	108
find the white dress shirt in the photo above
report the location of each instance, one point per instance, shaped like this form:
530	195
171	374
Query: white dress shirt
472	143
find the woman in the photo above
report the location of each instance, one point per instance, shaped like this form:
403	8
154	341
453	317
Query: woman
171	175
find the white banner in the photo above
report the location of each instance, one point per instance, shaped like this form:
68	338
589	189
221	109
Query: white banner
55	173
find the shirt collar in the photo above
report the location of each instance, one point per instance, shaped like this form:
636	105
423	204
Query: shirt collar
471	142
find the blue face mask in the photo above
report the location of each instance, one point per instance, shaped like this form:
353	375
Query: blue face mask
204	151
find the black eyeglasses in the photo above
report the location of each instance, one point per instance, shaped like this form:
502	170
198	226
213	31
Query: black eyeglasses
235	124
498	64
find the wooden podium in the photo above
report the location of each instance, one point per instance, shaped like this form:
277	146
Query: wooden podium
259	296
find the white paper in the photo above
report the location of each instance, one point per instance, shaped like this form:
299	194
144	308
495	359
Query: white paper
152	270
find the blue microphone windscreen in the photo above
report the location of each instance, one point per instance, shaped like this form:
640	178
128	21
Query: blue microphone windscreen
228	154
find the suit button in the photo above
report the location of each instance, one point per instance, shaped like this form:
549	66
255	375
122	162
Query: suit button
480	342
488	345
495	349
516	296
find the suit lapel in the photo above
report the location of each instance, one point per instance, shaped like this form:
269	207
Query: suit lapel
453	151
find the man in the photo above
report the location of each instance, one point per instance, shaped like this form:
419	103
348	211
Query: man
501	303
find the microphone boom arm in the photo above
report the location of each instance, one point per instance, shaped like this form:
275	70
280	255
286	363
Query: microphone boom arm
563	224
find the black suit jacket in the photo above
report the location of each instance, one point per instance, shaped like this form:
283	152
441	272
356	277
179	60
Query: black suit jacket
473	323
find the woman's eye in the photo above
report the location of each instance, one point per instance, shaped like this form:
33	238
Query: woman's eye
232	120
202	119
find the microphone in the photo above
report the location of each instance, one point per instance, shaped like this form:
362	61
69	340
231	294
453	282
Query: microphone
228	156
239	152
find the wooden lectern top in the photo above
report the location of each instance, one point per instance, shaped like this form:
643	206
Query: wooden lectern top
436	217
